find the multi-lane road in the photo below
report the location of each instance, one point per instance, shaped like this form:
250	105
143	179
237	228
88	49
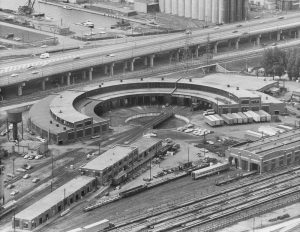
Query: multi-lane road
85	58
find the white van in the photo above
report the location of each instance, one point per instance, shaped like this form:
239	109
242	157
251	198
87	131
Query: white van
209	112
44	55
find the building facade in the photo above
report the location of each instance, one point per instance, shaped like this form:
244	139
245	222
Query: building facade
214	11
267	154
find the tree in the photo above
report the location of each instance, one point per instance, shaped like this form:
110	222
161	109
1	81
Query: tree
274	61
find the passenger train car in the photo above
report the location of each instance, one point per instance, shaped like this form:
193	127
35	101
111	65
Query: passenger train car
220	167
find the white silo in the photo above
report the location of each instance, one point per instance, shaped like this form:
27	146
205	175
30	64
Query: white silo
168	6
181	10
162	5
221	11
208	8
215	11
188	8
195	9
174	7
201	10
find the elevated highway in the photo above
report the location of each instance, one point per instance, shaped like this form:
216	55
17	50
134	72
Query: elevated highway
172	45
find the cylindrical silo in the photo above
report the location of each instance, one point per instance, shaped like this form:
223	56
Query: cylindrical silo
162	5
239	10
188	8
195	9
168	6
174	7
208	8
181	10
232	11
226	11
201	10
215	11
221	11
245	6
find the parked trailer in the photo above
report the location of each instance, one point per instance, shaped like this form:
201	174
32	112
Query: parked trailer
256	117
220	119
210	121
235	119
99	226
243	116
211	170
268	116
252	135
266	130
228	120
217	120
249	117
239	118
263	117
285	127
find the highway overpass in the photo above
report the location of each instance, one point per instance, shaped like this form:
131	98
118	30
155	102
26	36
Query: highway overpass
173	45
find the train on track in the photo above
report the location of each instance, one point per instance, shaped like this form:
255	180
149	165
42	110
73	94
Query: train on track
235	178
99	226
211	170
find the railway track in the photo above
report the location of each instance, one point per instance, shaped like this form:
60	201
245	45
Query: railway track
192	207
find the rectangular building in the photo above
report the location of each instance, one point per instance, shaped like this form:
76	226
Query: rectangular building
54	203
267	154
116	163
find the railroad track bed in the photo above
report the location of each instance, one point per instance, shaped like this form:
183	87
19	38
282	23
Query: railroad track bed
167	217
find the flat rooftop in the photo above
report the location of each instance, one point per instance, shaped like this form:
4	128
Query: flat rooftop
145	143
62	107
278	142
109	158
40	114
54	198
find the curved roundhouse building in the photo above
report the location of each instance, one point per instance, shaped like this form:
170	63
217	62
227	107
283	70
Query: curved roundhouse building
76	114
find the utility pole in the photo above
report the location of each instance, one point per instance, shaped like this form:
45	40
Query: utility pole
99	147
188	154
51	170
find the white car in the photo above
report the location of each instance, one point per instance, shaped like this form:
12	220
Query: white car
13	193
26	176
188	130
34	180
14	75
44	46
111	55
35	72
44	55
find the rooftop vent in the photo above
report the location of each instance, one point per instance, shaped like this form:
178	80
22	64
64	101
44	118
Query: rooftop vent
228	86
65	128
121	80
50	121
142	79
237	88
162	78
100	85
190	79
60	111
60	96
57	125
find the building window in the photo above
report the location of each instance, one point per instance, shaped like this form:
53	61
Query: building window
245	102
88	123
17	223
79	125
25	225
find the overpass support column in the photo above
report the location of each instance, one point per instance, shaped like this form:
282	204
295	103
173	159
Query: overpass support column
44	84
170	57
216	48
151	57
258	40
62	80
83	75
111	69
91	74
249	165
20	89
105	70
278	35
197	51
132	65
178	55
146	61
69	78
125	66
237	44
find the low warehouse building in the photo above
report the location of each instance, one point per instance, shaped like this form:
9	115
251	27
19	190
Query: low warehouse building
116	163
267	154
54	203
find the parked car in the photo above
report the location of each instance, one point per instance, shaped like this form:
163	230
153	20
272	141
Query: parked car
10	186
44	55
26	176
15	192
35	180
